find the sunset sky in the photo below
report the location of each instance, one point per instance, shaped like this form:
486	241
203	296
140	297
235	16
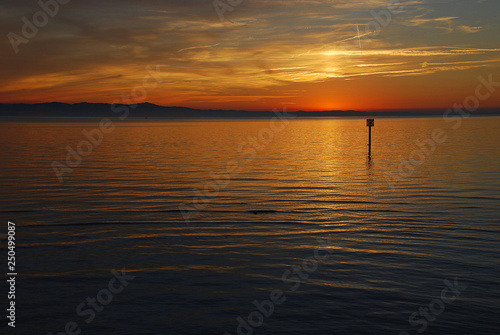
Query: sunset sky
264	54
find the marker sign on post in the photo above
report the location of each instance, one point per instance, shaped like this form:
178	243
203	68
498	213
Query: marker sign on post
370	123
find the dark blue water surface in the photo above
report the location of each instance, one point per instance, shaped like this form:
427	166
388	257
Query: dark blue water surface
234	227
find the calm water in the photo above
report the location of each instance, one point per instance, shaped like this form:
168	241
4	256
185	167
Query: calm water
395	236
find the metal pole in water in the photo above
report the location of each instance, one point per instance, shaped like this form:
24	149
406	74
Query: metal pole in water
370	123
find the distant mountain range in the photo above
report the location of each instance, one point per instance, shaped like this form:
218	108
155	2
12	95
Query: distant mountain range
147	110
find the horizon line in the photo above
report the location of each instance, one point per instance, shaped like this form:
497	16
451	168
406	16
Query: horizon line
429	109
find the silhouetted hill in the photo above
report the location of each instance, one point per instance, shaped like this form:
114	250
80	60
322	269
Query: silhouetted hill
148	110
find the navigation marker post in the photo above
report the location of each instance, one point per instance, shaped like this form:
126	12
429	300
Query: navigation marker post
370	123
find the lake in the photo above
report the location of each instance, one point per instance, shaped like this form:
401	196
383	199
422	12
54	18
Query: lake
254	226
